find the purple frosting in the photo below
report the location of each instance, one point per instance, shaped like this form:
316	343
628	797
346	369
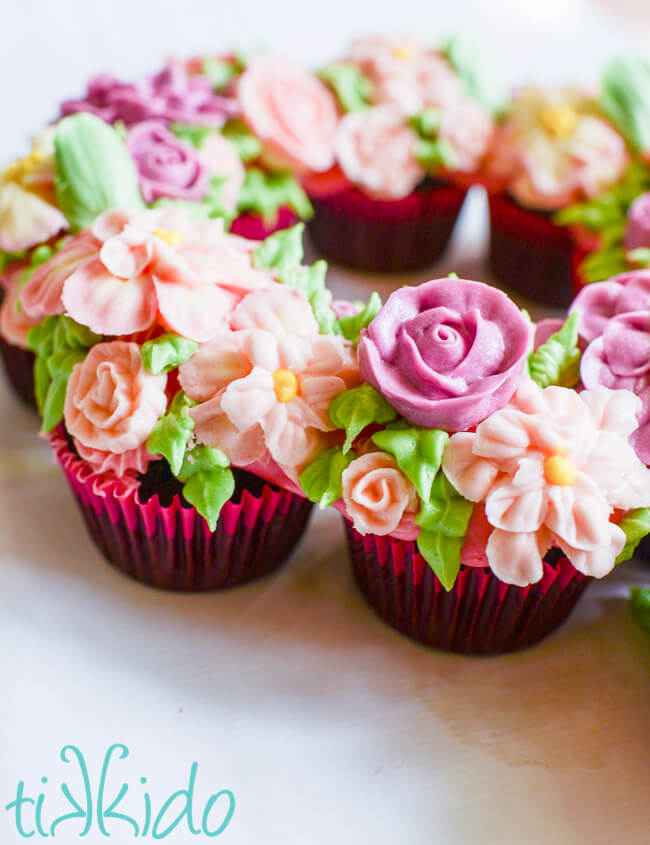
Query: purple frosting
446	354
166	166
599	302
171	95
637	231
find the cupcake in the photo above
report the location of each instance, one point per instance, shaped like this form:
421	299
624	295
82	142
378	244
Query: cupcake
415	126
553	149
192	134
183	375
481	491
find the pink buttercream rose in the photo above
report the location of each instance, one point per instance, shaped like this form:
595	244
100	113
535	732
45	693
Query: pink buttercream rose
551	468
112	404
598	303
291	111
376	151
376	493
637	230
15	323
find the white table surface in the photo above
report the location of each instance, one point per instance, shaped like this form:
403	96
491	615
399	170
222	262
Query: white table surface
326	725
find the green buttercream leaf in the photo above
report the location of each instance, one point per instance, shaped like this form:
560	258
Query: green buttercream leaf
418	452
265	193
356	409
281	251
636	525
479	82
211	206
321	480
640	606
352	89
167	352
625	99
219	72
558	360
93	170
194	135
640	257
435	153
202	459
351	326
59	344
426	122
247	145
208	483
171	433
604	263
442	553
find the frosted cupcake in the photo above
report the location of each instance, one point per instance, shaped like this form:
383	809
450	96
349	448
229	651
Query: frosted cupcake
481	491
415	126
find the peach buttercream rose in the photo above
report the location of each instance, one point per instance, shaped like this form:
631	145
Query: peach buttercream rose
291	111
112	404
376	493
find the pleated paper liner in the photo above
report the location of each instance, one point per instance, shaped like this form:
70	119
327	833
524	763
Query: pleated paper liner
530	254
19	367
479	615
165	543
357	231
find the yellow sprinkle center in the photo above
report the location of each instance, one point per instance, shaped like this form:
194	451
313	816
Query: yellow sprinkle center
285	385
405	52
559	470
17	171
168	236
559	121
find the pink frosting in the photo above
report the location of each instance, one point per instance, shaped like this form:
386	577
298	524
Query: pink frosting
446	354
112	402
220	159
597	303
376	493
14	321
505	464
376	151
291	111
637	230
128	463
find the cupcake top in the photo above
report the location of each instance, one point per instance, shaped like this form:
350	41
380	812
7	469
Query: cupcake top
466	439
407	112
554	148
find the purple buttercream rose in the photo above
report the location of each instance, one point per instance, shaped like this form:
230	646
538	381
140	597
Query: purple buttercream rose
446	354
600	302
172	95
166	166
637	231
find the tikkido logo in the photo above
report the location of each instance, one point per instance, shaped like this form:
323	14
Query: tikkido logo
88	812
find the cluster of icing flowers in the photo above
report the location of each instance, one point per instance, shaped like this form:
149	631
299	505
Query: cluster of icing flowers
555	148
408	113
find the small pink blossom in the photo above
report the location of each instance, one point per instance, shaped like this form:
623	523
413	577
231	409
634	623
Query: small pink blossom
376	494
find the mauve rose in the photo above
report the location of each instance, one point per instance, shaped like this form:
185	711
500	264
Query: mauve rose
446	354
598	303
637	231
167	167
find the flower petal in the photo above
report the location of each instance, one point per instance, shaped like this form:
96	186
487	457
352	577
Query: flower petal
518	504
471	475
199	313
248	400
514	558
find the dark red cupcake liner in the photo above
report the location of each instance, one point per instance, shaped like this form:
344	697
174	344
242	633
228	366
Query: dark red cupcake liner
479	615
255	228
530	254
172	547
351	229
643	550
19	366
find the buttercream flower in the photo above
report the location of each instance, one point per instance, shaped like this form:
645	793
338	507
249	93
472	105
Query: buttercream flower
376	150
14	322
111	406
553	149
596	304
160	265
391	66
446	354
172	95
263	393
550	469
167	167
376	493
637	230
28	212
291	111
220	158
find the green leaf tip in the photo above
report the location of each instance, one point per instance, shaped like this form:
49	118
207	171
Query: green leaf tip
165	353
558	360
171	433
636	525
208	482
351	88
355	409
351	326
321	479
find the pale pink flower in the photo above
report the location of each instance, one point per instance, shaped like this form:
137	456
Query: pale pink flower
551	467
221	159
376	494
14	322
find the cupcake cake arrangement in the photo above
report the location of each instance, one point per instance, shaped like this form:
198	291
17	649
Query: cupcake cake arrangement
202	390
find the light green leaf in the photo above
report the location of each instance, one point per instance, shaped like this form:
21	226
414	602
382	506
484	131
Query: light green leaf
435	153
640	257
265	193
636	525
219	72
558	360
442	553
640	606
202	459
93	170
418	452
356	409
281	251
352	89
171	433
625	99
480	83
351	326
167	352
208	491
321	479
247	145
194	135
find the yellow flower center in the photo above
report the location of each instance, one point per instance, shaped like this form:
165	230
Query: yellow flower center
560	470
17	171
285	384
405	52
168	236
559	121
